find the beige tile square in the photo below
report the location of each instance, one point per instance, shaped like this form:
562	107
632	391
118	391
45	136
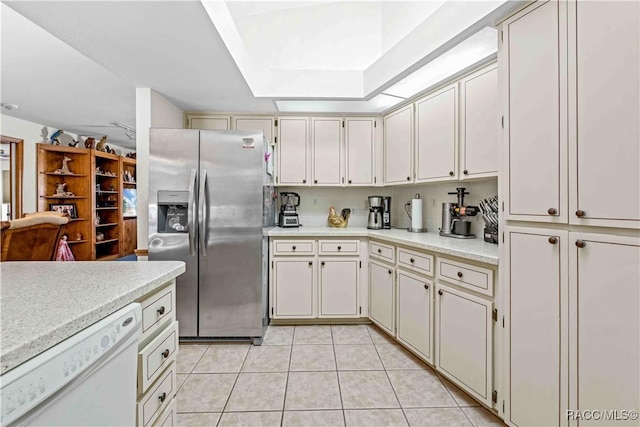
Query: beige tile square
315	334
278	335
258	392
375	417
313	419
461	398
350	334
313	390
268	358
198	419
357	357
379	336
481	417
205	392
251	419
188	356
436	417
366	389
180	379
396	357
222	359
419	389
312	358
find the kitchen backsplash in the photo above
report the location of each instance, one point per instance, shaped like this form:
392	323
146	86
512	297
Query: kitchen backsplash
315	202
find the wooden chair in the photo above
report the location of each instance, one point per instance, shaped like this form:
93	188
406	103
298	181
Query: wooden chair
33	238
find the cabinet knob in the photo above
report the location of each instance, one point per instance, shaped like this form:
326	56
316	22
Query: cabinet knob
315	181
165	353
339	247
310	262
161	310
408	178
293	248
322	264
304	181
460	274
466	172
349	181
450	173
439	292
390	272
581	243
553	240
580	213
379	251
162	397
552	211
412	260
426	287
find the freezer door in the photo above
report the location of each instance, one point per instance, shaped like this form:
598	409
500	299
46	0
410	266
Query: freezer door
231	255
173	166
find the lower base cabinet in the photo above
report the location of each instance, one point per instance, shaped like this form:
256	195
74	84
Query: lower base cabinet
339	284
381	296
415	302
293	290
464	341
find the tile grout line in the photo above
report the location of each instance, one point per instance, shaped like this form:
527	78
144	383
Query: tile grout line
234	385
335	356
286	384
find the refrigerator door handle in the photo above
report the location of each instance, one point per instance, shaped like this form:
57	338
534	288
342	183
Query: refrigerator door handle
204	213
191	211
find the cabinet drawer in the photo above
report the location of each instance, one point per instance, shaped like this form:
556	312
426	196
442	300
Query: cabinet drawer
159	396
157	310
468	276
339	247
169	417
383	251
158	354
422	263
293	247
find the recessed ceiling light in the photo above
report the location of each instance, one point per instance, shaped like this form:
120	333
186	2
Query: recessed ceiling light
9	107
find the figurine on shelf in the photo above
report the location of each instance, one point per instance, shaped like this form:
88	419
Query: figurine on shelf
97	221
64	170
99	237
78	236
101	146
89	142
54	139
112	151
131	155
99	171
126	177
74	143
60	190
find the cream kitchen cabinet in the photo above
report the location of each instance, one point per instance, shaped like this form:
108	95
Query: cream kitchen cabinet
479	124
208	121
415	313
293	151
327	151
573	150
382	295
398	146
359	136
436	149
293	288
339	281
464	341
264	124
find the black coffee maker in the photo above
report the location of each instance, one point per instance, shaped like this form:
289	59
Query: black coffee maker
288	217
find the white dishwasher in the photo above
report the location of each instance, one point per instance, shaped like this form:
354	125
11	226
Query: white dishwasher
89	379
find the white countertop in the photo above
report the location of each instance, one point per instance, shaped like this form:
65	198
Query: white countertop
473	249
43	303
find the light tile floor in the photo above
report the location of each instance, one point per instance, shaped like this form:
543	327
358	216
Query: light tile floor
352	375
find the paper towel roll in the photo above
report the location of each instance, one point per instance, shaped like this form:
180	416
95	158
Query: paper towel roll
416	214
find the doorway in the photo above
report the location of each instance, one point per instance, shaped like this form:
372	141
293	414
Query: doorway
11	159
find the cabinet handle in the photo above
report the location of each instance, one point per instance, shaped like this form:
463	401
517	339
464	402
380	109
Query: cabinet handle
580	213
426	287
162	397
466	172
349	181
552	211
390	271
310	262
581	243
165	353
460	274
304	181
293	248
553	240
339	247
379	251
450	173
408	178
439	292
161	310
315	181
412	260
322	263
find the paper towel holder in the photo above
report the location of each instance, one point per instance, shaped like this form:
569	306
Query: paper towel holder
406	208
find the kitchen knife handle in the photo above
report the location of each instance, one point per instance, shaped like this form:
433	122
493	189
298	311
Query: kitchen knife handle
204	213
191	212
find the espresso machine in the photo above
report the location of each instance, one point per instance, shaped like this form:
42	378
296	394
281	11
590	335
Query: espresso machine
288	217
376	212
453	217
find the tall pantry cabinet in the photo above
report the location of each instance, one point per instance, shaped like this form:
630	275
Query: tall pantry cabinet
571	158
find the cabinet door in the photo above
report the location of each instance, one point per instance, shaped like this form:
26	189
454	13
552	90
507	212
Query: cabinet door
535	129
437	135
415	300
398	146
464	341
292	151
605	298
326	136
293	288
264	124
359	143
339	284
605	137
536	329
210	123
479	124
381	296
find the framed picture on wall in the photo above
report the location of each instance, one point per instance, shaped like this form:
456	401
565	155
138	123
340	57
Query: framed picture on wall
65	208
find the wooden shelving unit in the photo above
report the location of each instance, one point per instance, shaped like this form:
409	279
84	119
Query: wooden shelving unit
107	205
78	230
129	239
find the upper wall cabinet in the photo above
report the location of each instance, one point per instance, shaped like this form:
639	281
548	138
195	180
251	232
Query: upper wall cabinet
398	146
359	146
292	150
437	135
264	124
479	124
210	122
327	151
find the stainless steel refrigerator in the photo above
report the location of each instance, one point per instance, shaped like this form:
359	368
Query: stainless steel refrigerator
208	204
